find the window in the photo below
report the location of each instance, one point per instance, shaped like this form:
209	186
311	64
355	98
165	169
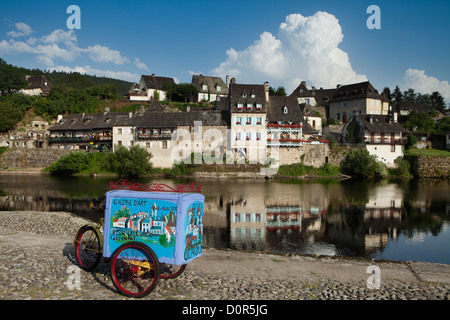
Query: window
253	96
205	87
147	145
393	148
119	131
259	106
238	136
249	106
249	120
244	95
259	120
240	105
238	120
285	109
338	116
248	136
119	143
219	88
164	144
258	136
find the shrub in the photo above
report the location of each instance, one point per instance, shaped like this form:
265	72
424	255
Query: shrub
129	163
71	163
359	163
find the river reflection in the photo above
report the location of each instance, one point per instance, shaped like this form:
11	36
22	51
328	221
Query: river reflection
397	221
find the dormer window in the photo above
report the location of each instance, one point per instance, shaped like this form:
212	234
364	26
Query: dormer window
285	109
218	88
249	106
244	95
253	95
240	106
205	87
258	106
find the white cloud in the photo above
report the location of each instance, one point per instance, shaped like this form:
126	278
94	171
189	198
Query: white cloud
305	48
420	82
22	30
100	53
60	36
140	64
59	44
123	75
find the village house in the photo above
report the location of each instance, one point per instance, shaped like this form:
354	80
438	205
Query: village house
247	105
381	135
355	99
30	136
38	85
209	88
148	87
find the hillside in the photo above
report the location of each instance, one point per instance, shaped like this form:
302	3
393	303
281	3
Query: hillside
13	78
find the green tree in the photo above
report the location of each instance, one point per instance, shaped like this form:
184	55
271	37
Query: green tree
280	91
420	122
437	102
187	91
130	163
359	163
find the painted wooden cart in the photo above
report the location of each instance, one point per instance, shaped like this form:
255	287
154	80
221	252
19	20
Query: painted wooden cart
149	232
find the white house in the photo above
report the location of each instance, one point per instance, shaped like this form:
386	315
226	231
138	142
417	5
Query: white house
149	87
381	135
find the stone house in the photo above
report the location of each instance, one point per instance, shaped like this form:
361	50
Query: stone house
38	85
209	88
355	99
148	86
381	135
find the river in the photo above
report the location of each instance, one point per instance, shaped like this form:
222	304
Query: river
381	220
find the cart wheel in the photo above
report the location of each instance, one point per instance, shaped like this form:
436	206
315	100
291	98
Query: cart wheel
87	248
170	271
134	269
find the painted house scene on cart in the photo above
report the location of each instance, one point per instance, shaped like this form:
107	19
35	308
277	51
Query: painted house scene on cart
154	219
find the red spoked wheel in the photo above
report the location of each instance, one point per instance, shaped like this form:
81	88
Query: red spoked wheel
134	269
88	250
170	271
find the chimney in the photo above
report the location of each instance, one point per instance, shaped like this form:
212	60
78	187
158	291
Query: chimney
313	89
228	81
233	80
266	90
153	75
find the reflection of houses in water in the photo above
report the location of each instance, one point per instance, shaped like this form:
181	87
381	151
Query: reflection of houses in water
258	222
382	217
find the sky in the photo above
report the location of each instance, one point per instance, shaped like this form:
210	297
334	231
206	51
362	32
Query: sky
324	43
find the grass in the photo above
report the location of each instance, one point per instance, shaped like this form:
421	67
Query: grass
426	152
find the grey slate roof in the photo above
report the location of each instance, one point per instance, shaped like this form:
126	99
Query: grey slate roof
354	91
408	105
152	117
380	123
294	114
154	82
39	82
243	93
211	82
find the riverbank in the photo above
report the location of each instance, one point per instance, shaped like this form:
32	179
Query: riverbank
36	252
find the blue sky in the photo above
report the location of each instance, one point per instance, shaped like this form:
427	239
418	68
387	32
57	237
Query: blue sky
322	42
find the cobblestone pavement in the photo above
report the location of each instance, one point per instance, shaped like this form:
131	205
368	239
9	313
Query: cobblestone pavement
36	254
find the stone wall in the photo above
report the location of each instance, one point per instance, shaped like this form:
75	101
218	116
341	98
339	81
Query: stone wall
30	158
430	166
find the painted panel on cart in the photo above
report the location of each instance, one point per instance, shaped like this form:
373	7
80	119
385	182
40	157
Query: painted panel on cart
152	222
194	230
